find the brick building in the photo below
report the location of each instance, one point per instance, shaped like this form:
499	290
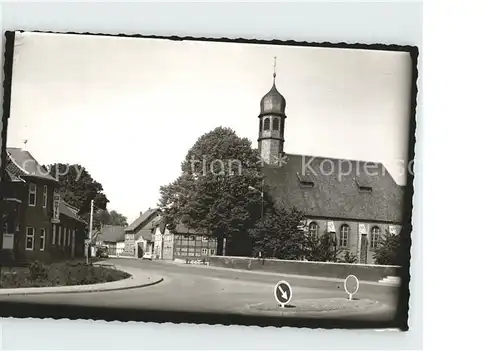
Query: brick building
354	201
37	225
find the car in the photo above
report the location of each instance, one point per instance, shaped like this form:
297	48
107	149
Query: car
147	256
102	252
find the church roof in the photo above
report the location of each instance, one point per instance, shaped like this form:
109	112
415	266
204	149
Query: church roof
354	190
21	163
273	102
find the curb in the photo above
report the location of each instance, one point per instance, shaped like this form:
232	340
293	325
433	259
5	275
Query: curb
70	289
380	308
289	275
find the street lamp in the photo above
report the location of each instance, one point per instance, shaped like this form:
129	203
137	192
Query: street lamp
261	198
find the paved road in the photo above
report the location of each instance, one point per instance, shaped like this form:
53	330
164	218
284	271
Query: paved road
204	289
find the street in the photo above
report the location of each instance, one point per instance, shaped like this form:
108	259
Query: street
188	288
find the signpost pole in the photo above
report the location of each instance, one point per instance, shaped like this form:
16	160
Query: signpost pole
283	293
88	246
351	293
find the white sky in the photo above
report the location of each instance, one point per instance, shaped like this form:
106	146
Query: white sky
128	109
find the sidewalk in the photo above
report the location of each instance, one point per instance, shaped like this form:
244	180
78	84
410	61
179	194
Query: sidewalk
276	274
139	278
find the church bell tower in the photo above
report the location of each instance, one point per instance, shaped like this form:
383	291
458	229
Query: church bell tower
272	125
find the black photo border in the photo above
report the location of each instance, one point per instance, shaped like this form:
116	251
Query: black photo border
400	321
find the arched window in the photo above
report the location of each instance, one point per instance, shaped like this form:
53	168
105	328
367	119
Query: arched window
313	229
276	124
267	123
344	235
375	237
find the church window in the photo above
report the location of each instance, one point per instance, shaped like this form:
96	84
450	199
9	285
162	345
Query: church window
267	123
313	229
276	124
344	235
375	237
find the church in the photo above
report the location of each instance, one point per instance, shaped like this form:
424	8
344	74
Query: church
354	201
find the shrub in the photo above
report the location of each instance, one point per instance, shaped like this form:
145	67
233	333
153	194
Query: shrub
388	251
57	274
349	257
37	271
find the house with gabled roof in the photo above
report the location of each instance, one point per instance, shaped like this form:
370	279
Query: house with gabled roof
39	225
110	236
139	234
354	201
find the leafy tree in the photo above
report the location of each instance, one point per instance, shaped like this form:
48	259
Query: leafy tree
111	218
323	248
279	235
388	252
215	192
78	188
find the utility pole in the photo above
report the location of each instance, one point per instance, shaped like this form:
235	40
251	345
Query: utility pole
90	230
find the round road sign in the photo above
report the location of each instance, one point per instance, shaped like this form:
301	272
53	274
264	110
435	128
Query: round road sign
283	293
351	285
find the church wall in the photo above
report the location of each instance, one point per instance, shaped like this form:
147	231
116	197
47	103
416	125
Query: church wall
270	148
354	241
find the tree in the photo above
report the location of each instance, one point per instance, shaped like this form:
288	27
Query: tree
279	235
388	251
78	188
323	248
111	218
214	192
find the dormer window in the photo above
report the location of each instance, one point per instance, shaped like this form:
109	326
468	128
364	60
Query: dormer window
305	180
363	187
32	195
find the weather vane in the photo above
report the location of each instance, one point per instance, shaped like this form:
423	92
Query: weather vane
274	72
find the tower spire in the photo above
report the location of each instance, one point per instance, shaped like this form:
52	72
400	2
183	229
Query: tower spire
274	70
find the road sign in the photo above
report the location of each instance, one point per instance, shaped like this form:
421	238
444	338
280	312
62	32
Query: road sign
283	293
351	285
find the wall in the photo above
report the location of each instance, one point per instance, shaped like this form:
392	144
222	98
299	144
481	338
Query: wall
158	243
318	269
194	246
129	245
61	245
37	217
354	236
120	247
